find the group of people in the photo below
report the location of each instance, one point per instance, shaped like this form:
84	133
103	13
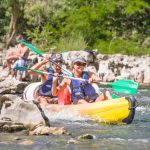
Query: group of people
54	83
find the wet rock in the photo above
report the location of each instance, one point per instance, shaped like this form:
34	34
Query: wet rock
17	138
87	136
10	126
13	128
27	142
43	130
73	141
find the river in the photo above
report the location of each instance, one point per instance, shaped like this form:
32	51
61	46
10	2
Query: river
135	136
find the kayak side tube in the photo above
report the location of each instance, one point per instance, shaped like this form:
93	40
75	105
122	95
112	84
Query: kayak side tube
132	108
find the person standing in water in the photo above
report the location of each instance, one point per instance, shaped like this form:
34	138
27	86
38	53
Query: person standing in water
81	92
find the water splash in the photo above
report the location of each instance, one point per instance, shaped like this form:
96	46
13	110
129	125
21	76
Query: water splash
64	114
143	108
130	140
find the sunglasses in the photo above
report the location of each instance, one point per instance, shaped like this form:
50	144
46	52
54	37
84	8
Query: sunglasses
58	62
80	64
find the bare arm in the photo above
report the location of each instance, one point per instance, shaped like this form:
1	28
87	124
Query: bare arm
93	77
22	52
56	89
26	52
39	65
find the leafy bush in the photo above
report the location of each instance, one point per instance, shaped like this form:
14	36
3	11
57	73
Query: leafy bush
122	46
72	42
112	26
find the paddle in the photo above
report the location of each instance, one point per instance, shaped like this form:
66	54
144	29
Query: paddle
121	86
32	48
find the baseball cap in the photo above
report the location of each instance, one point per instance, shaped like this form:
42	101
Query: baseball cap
57	57
78	59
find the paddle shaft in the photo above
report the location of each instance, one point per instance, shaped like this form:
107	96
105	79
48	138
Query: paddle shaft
79	79
64	76
58	65
31	47
122	86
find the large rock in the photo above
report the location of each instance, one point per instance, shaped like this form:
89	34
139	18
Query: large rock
20	111
12	86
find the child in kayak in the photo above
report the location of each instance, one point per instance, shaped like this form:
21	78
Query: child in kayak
81	92
45	96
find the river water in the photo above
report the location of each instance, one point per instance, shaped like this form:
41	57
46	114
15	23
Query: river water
135	136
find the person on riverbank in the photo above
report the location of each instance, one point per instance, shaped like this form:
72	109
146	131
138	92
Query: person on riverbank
81	92
44	95
18	57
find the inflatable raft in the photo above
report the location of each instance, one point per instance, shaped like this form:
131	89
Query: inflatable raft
119	110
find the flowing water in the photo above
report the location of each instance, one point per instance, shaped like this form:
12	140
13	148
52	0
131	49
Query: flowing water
135	136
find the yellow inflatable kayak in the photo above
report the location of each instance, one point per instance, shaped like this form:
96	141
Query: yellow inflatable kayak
120	110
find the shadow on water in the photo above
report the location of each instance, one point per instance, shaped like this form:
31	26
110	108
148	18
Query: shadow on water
108	137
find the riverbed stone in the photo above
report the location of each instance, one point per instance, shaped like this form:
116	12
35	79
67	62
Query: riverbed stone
86	136
73	141
43	130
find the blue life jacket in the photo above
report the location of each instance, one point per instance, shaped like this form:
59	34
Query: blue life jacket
82	90
45	89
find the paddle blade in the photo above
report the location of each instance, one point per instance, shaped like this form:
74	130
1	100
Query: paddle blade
124	86
31	47
21	68
26	69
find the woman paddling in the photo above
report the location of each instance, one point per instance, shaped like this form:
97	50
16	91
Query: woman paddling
44	95
81	92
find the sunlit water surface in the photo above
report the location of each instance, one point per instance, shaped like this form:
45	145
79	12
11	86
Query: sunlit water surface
108	137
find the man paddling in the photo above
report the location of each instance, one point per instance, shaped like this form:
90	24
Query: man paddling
45	96
81	92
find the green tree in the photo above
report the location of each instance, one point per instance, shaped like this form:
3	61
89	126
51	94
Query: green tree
14	8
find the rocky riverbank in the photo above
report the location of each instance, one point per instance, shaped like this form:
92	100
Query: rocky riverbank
114	67
108	67
17	114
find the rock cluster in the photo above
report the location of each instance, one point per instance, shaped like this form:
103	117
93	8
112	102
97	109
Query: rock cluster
17	114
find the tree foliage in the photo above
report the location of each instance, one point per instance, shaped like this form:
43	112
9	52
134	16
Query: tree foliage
111	26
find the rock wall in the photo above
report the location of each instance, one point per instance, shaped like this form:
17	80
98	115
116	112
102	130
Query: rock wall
108	67
113	67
